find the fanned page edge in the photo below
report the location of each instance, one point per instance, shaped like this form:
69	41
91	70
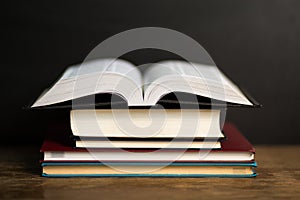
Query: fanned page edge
72	78
170	73
142	101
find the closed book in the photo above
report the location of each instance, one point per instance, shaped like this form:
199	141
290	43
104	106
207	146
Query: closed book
145	143
235	148
147	123
148	169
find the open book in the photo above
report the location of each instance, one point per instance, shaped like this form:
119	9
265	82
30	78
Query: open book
142	88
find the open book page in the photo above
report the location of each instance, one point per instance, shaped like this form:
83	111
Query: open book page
96	76
124	79
200	79
101	66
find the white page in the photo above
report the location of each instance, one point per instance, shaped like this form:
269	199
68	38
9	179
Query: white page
104	66
200	79
86	79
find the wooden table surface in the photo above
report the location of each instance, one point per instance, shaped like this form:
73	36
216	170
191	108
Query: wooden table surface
278	178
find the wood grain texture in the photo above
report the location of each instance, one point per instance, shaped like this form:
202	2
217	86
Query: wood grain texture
279	178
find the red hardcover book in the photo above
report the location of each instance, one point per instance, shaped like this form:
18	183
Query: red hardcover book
58	147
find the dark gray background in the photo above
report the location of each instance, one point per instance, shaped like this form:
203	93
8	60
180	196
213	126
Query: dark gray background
255	42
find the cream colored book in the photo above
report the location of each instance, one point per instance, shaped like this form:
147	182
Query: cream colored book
148	144
147	123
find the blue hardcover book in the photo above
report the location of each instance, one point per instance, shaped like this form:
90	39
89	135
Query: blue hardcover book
92	169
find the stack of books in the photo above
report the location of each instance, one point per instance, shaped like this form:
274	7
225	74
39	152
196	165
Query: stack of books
164	122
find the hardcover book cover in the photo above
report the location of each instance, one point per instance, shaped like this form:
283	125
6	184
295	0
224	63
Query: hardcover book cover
235	142
70	169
